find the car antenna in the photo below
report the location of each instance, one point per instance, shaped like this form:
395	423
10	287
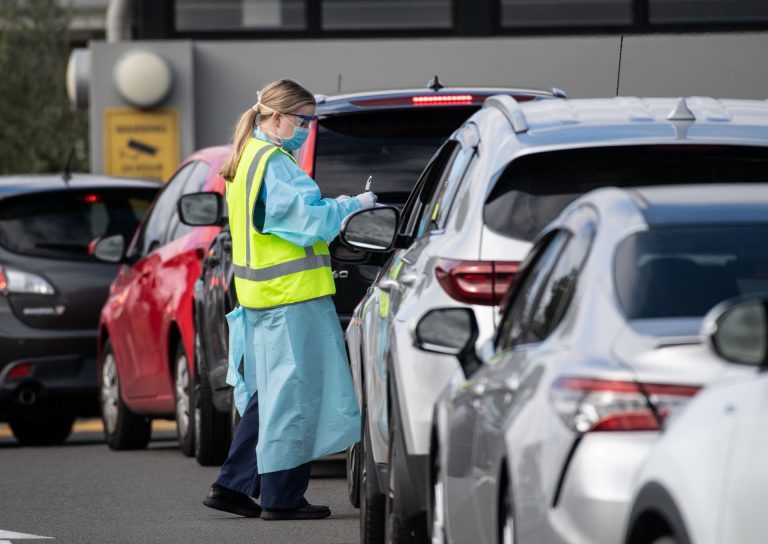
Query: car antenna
618	75
435	84
67	175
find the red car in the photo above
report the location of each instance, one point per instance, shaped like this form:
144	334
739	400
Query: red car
146	331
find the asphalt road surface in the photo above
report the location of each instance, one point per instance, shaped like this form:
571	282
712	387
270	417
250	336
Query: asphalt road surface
83	493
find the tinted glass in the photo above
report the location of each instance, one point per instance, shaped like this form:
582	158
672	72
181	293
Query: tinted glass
240	14
528	13
684	272
708	11
399	14
513	326
393	146
535	188
62	224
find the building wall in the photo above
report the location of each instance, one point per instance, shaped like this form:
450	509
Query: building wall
226	75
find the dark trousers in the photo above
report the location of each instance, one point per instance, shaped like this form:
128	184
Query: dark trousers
283	489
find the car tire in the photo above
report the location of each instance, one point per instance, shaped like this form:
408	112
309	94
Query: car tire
41	429
211	426
185	414
353	474
396	531
123	429
371	500
506	517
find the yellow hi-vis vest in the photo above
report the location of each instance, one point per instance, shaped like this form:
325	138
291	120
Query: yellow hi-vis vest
270	271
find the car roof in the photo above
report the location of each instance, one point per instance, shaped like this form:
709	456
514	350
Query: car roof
703	204
14	185
402	98
623	120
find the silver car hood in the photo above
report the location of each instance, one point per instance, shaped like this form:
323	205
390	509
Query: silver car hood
668	351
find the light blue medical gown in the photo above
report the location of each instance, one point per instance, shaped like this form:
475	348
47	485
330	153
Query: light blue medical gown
294	355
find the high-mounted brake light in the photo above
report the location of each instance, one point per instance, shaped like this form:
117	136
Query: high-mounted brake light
91	199
476	282
593	405
442	99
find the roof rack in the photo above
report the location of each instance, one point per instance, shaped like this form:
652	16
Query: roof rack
511	110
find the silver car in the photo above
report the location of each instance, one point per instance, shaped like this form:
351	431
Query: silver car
467	226
598	344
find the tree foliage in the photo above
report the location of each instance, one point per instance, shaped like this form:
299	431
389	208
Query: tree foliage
38	129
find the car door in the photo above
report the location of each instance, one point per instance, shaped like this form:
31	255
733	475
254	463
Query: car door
136	330
174	271
503	390
381	306
464	517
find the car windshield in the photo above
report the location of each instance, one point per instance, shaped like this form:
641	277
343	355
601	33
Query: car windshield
393	146
62	224
684	272
535	188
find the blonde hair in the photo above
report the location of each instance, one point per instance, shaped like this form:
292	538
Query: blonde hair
282	96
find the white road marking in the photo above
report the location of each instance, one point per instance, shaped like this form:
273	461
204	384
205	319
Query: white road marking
19	536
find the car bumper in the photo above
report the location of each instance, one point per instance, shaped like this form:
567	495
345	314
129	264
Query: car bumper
594	499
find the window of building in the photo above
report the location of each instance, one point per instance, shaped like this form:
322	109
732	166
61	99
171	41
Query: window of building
209	15
386	14
708	11
564	13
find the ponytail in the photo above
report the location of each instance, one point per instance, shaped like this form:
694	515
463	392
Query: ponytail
243	131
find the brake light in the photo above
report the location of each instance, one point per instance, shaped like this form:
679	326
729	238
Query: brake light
91	199
593	405
22	370
3	281
442	99
476	282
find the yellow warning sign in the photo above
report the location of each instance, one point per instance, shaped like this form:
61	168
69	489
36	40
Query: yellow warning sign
141	144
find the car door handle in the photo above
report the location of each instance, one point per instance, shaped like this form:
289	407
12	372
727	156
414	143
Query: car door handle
388	285
409	279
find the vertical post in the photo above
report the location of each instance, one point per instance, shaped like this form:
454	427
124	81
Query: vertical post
641	15
476	17
314	12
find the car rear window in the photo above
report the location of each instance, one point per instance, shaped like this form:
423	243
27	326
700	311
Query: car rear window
62	224
684	272
535	188
393	146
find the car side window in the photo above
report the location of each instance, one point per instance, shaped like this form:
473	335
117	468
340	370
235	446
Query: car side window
419	199
514	323
195	183
154	228
557	293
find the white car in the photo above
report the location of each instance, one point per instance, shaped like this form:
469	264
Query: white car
706	480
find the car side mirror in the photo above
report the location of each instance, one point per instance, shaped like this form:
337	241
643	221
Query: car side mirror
372	229
110	249
202	209
450	331
737	330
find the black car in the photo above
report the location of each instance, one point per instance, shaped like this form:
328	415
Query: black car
389	135
51	293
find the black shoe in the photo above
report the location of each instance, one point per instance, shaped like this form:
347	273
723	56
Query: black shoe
231	501
308	511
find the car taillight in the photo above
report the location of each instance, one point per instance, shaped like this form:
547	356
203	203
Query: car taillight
442	99
593	405
22	370
91	199
18	282
476	282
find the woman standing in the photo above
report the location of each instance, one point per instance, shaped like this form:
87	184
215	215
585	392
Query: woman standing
294	389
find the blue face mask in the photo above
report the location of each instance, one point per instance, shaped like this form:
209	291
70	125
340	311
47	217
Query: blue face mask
300	135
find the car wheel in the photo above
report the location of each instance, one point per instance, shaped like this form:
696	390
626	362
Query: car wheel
371	500
41	429
123	430
506	519
185	429
437	504
353	474
396	531
211	426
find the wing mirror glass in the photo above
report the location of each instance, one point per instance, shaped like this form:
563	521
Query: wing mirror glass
201	209
738	331
373	229
110	249
450	331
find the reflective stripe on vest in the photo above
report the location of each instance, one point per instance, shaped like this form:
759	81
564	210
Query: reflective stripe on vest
270	271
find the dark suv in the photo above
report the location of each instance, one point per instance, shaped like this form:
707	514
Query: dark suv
389	135
51	293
